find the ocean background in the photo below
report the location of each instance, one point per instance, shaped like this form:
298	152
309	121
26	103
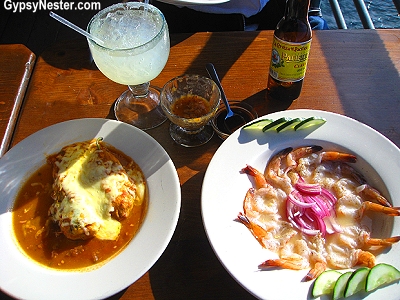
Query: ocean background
383	14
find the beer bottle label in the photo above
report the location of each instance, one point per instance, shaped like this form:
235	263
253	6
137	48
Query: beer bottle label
289	60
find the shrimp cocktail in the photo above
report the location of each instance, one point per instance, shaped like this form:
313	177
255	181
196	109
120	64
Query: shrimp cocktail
134	51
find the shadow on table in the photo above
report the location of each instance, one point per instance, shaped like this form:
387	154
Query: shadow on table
226	48
189	269
365	100
75	53
182	271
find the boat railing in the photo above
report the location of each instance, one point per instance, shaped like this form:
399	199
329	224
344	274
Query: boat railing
362	11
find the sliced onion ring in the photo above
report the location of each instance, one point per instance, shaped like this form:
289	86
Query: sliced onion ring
310	209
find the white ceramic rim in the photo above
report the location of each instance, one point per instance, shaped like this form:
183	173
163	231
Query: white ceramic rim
224	189
20	277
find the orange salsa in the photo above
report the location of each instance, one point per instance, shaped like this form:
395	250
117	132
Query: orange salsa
190	107
40	238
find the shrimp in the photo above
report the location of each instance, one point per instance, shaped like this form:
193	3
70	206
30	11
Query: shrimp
298	255
264	211
276	174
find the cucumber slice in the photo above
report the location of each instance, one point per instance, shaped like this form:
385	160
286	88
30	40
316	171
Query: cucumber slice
340	285
325	283
356	282
288	125
381	274
259	124
311	121
275	124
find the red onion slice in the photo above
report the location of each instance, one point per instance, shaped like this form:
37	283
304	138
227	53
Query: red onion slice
310	209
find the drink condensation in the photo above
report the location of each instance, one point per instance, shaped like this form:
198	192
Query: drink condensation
127	29
136	44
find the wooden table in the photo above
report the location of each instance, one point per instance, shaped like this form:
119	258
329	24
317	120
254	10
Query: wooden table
351	72
16	65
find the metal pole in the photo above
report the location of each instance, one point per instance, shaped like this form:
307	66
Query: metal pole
364	15
337	13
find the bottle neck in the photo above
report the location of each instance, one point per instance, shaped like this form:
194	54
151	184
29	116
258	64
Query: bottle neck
297	9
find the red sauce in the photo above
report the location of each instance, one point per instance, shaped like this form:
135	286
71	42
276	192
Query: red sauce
40	238
190	107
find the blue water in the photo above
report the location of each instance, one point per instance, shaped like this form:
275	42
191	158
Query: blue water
383	14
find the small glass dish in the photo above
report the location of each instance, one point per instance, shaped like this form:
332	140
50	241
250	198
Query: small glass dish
189	102
241	108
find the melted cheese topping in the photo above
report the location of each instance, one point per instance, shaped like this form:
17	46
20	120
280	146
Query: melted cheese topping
87	185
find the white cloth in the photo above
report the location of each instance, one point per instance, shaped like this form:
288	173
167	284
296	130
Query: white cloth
245	7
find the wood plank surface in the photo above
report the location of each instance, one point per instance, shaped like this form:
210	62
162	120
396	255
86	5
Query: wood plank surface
351	72
355	73
16	66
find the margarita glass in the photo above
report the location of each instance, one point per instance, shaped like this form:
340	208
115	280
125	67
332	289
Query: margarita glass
135	49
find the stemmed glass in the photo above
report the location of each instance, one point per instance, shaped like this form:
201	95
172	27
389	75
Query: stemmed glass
189	102
135	49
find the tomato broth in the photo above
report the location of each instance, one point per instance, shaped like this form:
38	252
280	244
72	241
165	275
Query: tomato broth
41	239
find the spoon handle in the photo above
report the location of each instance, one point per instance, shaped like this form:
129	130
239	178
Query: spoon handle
214	76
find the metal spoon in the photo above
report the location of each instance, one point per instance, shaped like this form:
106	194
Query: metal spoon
232	120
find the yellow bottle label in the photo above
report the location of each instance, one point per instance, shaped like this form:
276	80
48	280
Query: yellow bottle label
289	60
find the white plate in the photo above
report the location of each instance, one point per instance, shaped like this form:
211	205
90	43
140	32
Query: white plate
23	278
194	2
224	189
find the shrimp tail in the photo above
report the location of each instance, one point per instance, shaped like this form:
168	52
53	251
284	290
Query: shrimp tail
338	156
319	267
283	152
293	157
258	232
382	242
366	258
285	263
304	151
272	168
249	170
371	206
372	193
259	178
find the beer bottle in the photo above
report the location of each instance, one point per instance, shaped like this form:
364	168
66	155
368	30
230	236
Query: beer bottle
290	49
